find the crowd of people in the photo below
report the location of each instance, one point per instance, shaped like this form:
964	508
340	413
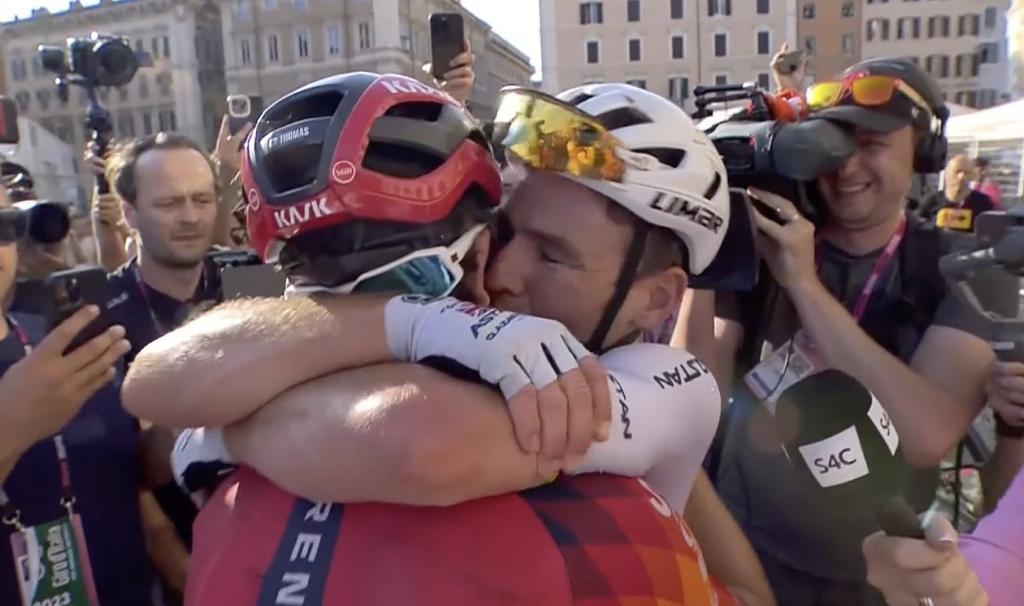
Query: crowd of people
492	383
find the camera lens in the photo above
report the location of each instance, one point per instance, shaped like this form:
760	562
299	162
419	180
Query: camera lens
74	292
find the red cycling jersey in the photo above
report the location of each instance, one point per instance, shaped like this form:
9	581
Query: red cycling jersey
591	540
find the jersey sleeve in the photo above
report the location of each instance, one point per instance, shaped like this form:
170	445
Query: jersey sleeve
665	410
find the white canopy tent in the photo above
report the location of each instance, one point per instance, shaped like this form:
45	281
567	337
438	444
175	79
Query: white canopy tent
997	133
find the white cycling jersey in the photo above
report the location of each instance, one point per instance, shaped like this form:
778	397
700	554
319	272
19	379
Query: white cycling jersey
665	410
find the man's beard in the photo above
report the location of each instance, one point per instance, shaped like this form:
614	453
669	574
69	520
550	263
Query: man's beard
170	259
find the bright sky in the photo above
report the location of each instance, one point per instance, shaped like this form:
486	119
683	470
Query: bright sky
518	21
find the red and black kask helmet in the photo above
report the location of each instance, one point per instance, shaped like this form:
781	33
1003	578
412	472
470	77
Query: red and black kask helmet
354	171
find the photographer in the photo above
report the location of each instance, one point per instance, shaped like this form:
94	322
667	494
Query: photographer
857	292
108	224
50	403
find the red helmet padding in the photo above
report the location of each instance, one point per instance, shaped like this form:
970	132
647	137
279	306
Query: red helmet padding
354	192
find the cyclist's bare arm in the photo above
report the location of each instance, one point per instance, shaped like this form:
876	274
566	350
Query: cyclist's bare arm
225	364
395	433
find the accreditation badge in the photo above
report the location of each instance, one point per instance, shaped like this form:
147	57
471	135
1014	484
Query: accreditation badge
789	364
52	564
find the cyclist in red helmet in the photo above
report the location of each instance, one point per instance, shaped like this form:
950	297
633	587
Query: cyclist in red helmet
395	207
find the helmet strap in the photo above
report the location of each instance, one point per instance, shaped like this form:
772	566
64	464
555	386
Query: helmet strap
627	276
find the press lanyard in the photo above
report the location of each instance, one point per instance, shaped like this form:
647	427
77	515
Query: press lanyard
141	285
888	253
10	514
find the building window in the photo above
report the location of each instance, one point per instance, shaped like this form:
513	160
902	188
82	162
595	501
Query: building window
273	50
632	10
764	43
270	4
719	7
808	10
593	52
245	51
991	17
721	45
125	124
242	9
637	82
143	86
943	66
147	123
764	7
43	98
678	47
18	70
333	40
302	43
989	52
679	89
167	47
721	79
591	13
938	27
300	5
847	9
878	29
968	25
848	44
37	66
810	45
764	81
163	80
676	8
122	93
634	50
364	36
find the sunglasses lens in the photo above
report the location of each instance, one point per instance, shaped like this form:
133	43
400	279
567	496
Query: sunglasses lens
545	134
873	90
419	276
824	94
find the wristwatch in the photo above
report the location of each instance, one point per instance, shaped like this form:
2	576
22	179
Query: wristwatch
1006	430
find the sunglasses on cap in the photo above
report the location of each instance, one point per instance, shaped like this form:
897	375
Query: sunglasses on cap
863	89
544	133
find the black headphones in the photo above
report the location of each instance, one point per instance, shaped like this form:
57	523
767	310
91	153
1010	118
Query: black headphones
930	153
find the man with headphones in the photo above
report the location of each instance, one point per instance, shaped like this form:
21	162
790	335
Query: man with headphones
852	371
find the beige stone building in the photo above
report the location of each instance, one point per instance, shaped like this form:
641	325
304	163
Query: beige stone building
668	47
829	31
274	46
1015	35
962	43
182	91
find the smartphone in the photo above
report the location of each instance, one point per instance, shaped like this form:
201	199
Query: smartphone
8	121
790	62
243	109
897	519
66	292
990	227
766	210
447	41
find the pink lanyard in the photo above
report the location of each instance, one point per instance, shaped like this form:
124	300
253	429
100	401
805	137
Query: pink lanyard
880	266
10	514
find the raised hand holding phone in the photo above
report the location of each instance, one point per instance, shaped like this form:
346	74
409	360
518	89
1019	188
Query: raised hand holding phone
46	388
451	56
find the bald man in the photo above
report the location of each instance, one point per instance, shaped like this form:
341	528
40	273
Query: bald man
956	206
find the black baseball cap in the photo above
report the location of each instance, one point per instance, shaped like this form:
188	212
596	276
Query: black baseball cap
899	112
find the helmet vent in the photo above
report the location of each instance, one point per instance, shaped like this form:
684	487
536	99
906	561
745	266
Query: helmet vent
712	189
320	105
668	156
622	118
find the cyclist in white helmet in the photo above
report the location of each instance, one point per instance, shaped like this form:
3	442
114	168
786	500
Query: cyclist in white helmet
619	198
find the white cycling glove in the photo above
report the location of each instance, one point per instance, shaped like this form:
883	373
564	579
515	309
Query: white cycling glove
200	459
506	349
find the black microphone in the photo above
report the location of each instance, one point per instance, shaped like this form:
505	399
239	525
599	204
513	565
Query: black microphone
840	439
1008	251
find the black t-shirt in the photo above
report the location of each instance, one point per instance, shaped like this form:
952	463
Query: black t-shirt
953	215
147	314
782	515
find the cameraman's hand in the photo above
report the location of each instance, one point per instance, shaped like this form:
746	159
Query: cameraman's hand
45	389
788	249
106	209
228	151
793	81
96	164
1005	388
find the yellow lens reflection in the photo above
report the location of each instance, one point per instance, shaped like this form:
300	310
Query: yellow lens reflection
548	135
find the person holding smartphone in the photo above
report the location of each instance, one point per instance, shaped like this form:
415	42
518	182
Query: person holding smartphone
67	454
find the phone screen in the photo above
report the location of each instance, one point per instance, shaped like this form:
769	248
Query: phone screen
243	109
66	292
447	41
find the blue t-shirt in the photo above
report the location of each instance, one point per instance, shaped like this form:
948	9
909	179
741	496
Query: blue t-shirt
101	446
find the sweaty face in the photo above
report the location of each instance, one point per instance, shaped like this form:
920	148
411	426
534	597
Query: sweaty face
563	257
176	207
8	256
958	174
872	184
